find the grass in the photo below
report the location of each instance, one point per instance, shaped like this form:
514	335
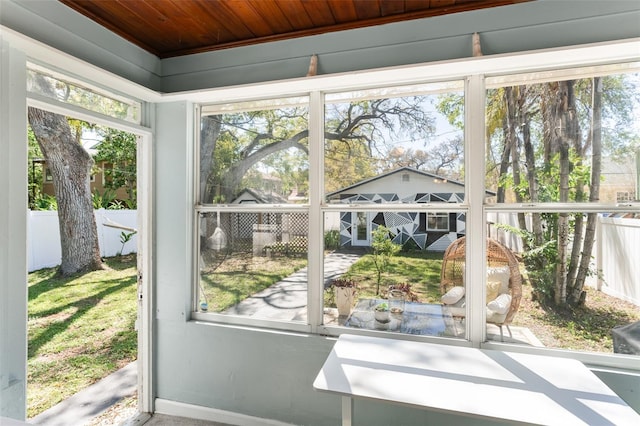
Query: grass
80	330
420	269
240	275
586	328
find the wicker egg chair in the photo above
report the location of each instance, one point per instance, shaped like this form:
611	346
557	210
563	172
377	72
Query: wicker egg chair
497	255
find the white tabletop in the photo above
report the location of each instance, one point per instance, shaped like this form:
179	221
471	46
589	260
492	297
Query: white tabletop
502	385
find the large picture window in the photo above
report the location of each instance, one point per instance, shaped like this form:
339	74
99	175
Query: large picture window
383	195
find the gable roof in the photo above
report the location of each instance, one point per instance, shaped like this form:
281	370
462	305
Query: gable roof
260	197
393	172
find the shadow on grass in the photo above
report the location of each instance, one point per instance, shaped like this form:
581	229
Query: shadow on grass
82	306
119	263
50	280
586	322
234	287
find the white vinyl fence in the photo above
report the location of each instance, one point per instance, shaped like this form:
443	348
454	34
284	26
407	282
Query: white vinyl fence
43	243
617	257
615	253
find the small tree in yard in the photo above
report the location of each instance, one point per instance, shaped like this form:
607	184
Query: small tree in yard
383	250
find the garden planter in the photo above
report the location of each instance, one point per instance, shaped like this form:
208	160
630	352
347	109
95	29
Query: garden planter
344	299
381	312
382	316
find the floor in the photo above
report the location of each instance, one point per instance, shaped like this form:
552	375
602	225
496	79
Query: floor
164	420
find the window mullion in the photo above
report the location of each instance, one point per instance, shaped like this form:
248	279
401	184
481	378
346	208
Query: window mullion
475	190
315	256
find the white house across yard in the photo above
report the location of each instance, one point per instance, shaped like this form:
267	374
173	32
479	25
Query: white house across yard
427	230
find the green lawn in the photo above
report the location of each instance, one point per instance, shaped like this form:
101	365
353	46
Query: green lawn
80	330
419	269
240	275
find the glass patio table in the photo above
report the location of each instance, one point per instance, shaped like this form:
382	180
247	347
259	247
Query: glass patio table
417	318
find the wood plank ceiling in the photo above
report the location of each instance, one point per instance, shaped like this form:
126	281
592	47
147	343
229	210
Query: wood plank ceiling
169	28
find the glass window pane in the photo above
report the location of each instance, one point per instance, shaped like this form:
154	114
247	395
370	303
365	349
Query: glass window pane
255	153
437	221
399	144
253	264
63	89
398	265
576	294
564	141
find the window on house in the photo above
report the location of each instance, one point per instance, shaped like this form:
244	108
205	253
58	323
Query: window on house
438	222
559	141
622	196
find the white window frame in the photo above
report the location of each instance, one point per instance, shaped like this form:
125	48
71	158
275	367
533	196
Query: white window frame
438	216
144	153
473	71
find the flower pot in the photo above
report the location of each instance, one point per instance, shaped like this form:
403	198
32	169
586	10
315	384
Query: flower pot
344	299
381	316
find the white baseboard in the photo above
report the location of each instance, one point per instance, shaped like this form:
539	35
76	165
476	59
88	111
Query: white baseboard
180	409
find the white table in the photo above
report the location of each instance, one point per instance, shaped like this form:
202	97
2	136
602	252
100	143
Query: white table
491	384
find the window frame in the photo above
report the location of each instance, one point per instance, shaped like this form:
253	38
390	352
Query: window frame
437	216
474	72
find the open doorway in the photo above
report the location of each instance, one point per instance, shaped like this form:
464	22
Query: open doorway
61	304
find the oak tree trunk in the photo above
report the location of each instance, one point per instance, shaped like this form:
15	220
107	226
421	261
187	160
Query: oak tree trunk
70	166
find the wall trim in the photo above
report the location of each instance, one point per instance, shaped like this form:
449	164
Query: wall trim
181	409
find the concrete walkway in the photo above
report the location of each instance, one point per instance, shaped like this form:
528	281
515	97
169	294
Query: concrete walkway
80	408
287	300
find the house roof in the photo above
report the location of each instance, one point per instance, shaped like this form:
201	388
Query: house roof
260	197
393	172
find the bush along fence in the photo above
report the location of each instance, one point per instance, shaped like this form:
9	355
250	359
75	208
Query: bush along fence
43	245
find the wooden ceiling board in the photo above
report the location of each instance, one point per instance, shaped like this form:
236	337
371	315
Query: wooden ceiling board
204	33
296	14
443	3
161	26
169	28
320	13
277	19
220	12
343	11
391	7
414	5
367	10
257	24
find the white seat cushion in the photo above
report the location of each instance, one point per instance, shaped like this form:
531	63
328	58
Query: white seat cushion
500	304
501	274
458	309
453	295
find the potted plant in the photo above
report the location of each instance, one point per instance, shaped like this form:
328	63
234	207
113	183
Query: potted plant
345	292
381	312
